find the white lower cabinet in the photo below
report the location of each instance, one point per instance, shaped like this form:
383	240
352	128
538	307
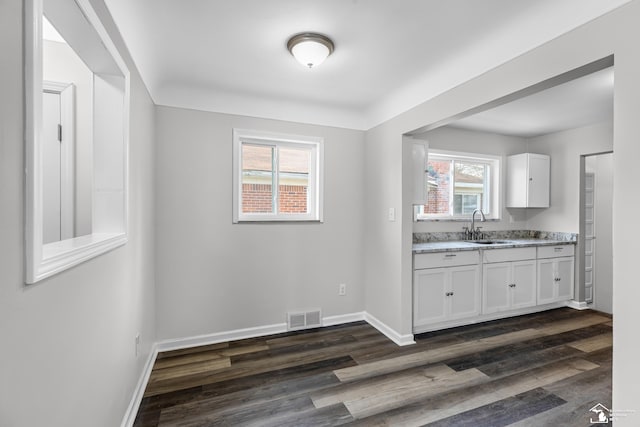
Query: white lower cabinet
555	279
453	288
508	286
446	294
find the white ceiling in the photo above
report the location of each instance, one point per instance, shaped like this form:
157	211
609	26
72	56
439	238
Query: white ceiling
230	55
580	102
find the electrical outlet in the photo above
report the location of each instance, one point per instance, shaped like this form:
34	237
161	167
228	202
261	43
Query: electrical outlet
137	344
342	289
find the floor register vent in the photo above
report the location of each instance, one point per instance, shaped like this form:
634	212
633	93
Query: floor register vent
304	319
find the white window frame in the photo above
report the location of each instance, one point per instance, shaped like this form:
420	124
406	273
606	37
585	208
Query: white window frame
270	139
111	104
490	204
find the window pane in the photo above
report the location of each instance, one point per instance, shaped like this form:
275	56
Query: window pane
469	185
439	178
257	179
294	180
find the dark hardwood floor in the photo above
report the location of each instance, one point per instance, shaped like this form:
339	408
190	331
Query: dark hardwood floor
543	369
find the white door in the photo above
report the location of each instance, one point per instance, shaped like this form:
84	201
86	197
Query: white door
523	293
51	141
464	298
589	235
58	162
430	296
564	274
546	281
496	287
538	181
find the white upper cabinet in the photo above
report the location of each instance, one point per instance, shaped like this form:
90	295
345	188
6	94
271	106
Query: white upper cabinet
419	155
528	178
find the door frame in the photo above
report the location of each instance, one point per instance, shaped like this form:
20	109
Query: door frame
579	271
67	154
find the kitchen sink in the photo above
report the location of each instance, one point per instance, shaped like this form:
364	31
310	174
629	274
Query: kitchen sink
489	242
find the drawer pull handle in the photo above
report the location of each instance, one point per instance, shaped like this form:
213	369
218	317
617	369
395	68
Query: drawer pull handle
449	255
448	294
558	249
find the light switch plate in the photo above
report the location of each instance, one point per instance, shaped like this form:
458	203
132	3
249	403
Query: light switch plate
392	214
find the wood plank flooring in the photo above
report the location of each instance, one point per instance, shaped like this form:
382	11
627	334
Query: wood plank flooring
543	369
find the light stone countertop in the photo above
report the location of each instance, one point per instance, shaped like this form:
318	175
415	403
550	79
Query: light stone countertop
461	245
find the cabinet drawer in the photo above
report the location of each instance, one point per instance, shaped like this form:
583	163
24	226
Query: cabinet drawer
555	251
509	254
445	259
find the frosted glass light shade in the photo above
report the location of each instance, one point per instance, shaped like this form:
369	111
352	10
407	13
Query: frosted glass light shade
310	49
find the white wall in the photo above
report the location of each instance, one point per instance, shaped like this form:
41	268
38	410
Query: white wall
602	168
68	354
565	149
213	275
62	64
467	141
389	277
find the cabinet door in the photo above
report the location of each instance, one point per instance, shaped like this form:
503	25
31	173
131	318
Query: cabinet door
538	192
465	289
419	154
496	280
430	301
546	281
523	294
564	273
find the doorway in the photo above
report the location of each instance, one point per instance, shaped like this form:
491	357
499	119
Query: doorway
596	221
58	161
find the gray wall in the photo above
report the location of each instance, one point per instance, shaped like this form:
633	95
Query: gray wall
68	353
565	149
388	278
215	276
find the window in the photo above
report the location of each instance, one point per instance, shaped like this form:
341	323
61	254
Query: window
276	177
458	184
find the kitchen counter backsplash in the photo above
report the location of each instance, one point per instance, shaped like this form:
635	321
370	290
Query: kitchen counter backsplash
503	235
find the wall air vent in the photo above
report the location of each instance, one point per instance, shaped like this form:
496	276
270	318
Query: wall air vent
304	319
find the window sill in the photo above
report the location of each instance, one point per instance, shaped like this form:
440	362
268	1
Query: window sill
59	256
455	220
278	221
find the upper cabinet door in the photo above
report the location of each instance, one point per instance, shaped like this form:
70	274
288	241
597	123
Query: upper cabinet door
539	171
419	151
528	178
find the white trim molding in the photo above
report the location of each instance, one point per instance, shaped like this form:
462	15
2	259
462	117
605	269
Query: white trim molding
389	332
577	305
218	337
343	318
138	393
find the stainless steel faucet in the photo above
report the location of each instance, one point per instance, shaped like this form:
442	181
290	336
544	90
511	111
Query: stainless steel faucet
476	231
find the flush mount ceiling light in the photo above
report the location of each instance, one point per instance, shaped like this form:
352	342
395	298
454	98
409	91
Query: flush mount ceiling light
310	49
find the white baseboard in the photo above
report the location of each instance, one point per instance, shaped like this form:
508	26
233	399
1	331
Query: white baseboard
390	333
234	335
577	305
343	318
138	393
